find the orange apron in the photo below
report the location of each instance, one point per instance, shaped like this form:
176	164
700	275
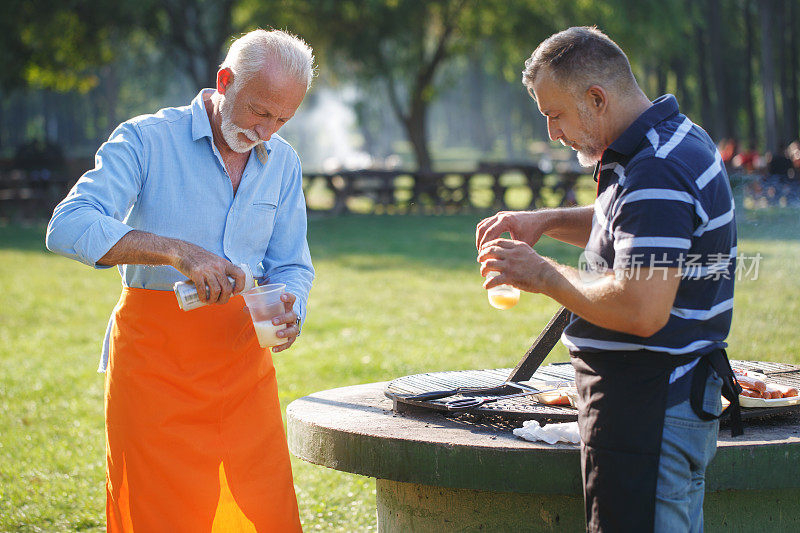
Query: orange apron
194	435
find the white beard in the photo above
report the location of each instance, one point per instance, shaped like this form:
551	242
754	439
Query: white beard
587	159
592	150
230	131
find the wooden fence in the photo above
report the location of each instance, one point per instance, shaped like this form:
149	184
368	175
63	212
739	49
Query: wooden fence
30	196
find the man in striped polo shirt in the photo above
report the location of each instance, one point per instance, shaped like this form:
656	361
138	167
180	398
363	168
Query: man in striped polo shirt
653	301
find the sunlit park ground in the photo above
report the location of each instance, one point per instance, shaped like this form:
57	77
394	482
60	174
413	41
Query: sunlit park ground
394	295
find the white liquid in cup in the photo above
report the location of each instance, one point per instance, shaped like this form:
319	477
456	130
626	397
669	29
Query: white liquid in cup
266	332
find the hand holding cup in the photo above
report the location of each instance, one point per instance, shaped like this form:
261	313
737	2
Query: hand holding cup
273	319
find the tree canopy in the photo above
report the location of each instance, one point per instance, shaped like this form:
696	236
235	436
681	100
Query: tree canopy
733	64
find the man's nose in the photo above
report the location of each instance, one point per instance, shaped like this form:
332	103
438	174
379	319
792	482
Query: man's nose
554	132
266	129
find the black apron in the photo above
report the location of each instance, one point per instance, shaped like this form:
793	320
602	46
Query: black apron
623	398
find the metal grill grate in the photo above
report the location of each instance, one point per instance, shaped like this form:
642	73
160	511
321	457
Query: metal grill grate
494	381
782	373
419	383
525	407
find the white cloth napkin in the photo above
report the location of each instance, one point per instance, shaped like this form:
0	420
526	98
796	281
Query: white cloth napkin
551	433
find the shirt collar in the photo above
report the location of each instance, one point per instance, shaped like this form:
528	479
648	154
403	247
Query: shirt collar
201	126
663	108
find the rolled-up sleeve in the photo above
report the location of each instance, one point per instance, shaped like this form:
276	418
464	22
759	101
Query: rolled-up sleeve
89	221
288	259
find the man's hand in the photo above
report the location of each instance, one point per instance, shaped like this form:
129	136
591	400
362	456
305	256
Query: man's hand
526	226
518	264
637	302
209	273
290	319
572	225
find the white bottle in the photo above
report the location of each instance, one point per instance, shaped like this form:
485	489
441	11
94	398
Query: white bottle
187	296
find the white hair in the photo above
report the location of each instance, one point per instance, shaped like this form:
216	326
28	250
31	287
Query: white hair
251	52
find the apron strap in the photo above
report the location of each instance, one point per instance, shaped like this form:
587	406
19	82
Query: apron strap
718	360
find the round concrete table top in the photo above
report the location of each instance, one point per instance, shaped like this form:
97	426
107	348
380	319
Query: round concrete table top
354	429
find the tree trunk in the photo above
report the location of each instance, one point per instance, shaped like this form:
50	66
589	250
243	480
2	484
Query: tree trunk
365	125
111	97
508	131
3	97
197	32
477	126
17	121
782	38
75	126
720	103
415	129
661	81
787	62
765	12
78	117
683	95
48	112
793	114
415	121
702	76
750	104
649	87
98	115
209	73
681	66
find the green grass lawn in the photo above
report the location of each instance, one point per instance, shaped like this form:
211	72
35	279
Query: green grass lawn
394	295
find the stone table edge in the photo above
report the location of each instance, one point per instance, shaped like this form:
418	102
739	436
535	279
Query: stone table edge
556	471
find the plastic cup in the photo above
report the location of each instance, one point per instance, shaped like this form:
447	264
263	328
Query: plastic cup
502	296
264	303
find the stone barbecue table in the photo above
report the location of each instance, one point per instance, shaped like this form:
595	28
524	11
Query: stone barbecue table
440	474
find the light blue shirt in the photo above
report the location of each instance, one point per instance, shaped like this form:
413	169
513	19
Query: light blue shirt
162	174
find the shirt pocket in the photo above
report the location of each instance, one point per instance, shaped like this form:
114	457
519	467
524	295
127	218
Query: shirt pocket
265	205
259	225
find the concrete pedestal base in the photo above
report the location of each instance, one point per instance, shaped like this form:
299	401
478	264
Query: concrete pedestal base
440	475
410	507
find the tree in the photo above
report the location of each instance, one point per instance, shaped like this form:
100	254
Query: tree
53	45
794	68
750	105
787	53
715	56
403	44
59	44
721	111
194	33
766	17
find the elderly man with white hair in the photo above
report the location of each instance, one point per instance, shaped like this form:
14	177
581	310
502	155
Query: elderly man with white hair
194	435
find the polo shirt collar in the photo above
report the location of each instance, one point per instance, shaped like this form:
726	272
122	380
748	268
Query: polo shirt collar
663	108
201	125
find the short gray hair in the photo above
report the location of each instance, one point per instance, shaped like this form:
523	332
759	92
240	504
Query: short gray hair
252	51
580	57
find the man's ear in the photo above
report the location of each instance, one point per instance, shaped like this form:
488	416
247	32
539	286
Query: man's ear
224	80
597	99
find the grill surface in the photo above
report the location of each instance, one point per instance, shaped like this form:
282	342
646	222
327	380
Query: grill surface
521	408
526	408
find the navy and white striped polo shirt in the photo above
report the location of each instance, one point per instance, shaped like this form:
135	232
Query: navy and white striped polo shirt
664	201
